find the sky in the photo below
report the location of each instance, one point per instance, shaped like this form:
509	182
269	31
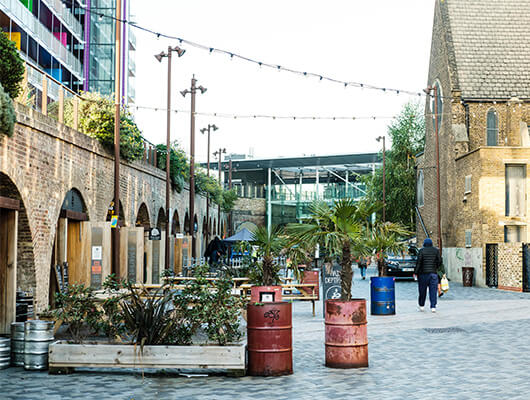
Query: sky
384	43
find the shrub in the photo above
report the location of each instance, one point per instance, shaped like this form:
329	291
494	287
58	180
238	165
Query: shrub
229	200
178	164
7	112
77	308
11	66
96	119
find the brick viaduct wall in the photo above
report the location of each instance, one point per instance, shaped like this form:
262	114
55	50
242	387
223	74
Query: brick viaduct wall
44	160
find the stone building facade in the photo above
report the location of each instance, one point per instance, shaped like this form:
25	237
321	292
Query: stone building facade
479	63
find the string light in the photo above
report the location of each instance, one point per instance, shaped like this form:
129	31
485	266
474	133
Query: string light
232	54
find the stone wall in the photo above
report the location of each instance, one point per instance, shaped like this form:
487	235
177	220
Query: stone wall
44	160
510	266
456	257
249	210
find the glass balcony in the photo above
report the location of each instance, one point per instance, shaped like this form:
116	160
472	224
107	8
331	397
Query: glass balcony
66	17
27	21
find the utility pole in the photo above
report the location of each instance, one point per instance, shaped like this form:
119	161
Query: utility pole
117	106
437	152
384	176
219	154
159	57
192	91
230	230
203	131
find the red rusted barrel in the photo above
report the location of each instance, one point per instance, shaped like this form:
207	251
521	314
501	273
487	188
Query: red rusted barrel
311	277
270	341
265	294
346	334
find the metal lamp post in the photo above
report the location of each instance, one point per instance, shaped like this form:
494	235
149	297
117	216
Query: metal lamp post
180	52
193	92
203	131
384	175
218	154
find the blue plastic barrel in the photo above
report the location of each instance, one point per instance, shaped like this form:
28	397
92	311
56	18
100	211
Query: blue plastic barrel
383	295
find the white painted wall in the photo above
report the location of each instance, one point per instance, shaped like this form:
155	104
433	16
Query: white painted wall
457	257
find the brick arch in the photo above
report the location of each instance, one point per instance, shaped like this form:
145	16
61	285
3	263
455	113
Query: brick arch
142	216
161	219
187	223
175	224
26	274
77	193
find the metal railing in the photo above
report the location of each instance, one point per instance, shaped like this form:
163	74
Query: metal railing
66	16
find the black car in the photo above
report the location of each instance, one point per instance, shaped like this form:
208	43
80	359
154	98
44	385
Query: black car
402	265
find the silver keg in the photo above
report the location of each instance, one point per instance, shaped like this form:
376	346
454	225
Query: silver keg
37	338
5	352
17	344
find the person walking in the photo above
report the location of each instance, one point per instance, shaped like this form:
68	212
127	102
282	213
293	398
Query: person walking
427	265
363	264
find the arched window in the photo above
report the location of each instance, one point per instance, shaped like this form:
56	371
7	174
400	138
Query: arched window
420	193
492	128
436	102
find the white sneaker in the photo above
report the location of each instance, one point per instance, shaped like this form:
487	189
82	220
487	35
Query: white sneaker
433	310
421	308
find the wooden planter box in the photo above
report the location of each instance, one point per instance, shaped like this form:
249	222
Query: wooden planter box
63	357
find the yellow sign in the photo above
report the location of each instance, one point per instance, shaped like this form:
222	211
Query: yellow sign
114	221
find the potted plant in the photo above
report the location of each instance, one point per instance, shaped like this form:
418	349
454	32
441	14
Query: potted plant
155	330
269	320
264	274
338	231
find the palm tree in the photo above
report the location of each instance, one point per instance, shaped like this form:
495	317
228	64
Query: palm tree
386	237
335	229
270	244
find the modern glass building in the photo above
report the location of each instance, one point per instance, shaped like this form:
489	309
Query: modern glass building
72	41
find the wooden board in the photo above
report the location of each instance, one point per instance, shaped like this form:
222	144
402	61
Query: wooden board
78	252
8	268
127	356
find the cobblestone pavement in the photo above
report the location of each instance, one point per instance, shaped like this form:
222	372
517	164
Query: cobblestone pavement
483	355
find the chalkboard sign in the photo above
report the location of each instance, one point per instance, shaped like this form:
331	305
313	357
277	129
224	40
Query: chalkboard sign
155	234
330	283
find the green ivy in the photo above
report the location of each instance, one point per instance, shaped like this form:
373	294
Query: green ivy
178	164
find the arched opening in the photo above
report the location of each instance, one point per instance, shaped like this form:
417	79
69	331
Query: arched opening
492	129
187	224
71	262
161	220
175	224
142	218
16	248
214	228
204	241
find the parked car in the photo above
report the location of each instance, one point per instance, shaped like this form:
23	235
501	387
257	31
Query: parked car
402	265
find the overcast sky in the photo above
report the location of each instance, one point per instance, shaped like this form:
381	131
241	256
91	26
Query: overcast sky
381	42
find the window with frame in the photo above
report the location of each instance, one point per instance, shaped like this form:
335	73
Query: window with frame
514	233
467	184
419	189
515	196
437	102
492	130
468	237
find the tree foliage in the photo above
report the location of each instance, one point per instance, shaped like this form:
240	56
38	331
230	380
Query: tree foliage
7	113
269	243
96	119
179	168
407	134
11	66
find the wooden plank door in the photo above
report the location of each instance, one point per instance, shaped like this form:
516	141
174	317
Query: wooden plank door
8	268
78	252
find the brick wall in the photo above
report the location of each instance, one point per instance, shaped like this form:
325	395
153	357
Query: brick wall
249	210
44	160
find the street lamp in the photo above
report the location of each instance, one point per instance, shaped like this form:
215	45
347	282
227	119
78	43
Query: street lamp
218	154
180	52
384	175
193	92
428	91
203	131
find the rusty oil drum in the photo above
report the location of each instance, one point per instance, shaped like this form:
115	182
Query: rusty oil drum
265	294
346	334
311	277
269	337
